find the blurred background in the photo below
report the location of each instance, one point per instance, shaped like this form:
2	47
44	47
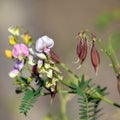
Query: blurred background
61	20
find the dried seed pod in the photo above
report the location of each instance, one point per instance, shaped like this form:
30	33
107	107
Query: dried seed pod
79	48
95	58
83	52
54	57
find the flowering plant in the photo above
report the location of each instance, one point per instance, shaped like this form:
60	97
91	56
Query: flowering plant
36	72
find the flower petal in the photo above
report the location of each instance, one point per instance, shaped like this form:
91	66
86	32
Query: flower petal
8	53
39	45
13	73
48	41
47	50
41	56
16	50
24	50
31	60
44	42
19	65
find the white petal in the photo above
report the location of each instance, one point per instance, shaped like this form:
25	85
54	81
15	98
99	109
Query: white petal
39	45
31	51
13	73
48	41
41	56
31	60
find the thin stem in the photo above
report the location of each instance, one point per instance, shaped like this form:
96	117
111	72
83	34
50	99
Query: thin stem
59	92
65	84
96	95
63	106
69	70
110	55
87	106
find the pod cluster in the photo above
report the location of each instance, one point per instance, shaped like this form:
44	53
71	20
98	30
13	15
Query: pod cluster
86	41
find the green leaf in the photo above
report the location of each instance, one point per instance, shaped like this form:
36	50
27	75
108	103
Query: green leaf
28	101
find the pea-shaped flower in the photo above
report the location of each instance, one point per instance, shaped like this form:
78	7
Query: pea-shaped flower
20	51
44	44
17	68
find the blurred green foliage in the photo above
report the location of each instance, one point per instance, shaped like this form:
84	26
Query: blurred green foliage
105	19
115	40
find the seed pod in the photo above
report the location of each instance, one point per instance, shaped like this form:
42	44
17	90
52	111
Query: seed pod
79	48
95	58
54	57
83	52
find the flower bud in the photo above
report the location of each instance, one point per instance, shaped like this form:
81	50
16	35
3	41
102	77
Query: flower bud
12	40
26	38
8	53
15	31
95	58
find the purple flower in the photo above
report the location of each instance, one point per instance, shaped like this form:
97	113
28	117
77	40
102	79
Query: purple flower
19	65
19	51
44	44
17	68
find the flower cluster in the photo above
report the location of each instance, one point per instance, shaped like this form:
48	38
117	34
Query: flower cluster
34	59
82	49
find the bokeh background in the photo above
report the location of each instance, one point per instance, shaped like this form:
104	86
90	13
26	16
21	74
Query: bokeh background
61	20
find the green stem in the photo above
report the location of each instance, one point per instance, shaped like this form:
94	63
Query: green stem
69	70
87	106
110	55
96	95
63	103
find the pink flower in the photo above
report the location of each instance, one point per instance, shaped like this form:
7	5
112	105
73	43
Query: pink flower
20	50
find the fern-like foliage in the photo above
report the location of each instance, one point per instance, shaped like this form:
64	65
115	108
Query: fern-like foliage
88	104
28	100
88	109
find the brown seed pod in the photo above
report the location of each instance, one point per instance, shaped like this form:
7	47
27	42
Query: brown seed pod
95	58
83	52
54	57
79	48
